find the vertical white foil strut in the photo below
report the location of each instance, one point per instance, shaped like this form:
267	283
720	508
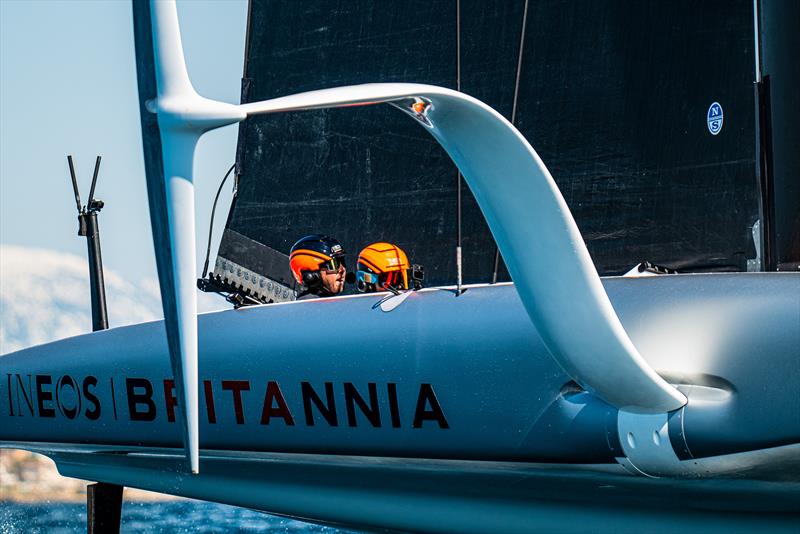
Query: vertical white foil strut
183	116
178	148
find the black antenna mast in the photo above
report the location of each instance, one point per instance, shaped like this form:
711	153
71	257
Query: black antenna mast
88	227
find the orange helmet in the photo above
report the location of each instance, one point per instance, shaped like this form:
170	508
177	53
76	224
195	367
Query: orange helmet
312	253
382	266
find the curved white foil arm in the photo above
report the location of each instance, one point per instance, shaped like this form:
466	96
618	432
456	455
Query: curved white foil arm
534	229
530	221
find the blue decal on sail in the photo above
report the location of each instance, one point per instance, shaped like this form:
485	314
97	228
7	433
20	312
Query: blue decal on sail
714	118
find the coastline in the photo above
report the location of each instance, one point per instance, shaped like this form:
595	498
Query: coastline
27	478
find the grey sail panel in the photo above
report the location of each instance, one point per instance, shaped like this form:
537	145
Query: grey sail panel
614	97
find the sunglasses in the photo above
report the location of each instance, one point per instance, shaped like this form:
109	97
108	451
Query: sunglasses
366	278
392	279
333	265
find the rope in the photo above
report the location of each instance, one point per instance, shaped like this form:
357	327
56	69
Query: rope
513	114
211	225
459	277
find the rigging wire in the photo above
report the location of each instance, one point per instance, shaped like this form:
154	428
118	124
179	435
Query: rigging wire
459	278
513	115
211	224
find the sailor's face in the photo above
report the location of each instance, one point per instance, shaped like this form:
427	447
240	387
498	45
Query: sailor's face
333	282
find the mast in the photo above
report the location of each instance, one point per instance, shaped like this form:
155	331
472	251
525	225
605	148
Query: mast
103	501
88	227
777	38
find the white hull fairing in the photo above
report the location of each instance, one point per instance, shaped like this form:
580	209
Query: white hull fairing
459	391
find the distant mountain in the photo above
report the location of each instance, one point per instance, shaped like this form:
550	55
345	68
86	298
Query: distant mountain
44	296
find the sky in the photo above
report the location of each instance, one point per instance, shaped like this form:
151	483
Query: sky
68	86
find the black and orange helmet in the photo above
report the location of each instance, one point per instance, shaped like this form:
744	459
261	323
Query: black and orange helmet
313	253
382	266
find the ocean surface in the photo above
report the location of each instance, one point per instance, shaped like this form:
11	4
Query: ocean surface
150	517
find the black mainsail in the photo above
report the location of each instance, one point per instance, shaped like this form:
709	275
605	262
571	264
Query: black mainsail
616	97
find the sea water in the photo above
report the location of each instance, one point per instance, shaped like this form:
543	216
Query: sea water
185	517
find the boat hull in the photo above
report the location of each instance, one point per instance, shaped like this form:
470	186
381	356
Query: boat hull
446	413
439	377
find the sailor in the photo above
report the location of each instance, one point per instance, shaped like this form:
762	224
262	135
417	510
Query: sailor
384	266
317	263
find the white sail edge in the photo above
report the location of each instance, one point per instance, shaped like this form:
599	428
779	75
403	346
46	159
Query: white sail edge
529	219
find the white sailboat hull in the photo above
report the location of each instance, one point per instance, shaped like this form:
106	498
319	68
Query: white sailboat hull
373	418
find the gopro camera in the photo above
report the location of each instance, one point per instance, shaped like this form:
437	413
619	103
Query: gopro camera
417	275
